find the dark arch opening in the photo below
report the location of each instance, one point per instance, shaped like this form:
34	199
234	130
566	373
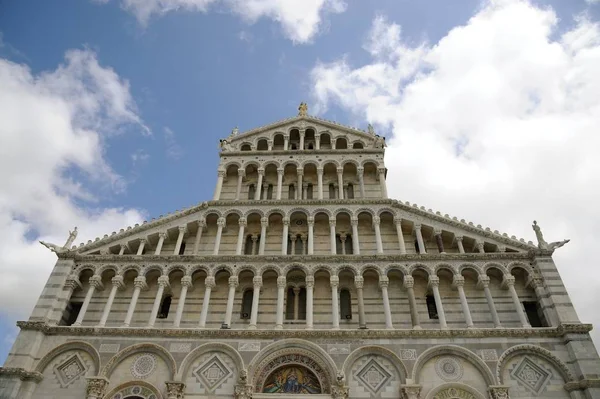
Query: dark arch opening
165	306
246	304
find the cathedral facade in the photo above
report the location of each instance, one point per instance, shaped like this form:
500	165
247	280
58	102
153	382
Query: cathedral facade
301	278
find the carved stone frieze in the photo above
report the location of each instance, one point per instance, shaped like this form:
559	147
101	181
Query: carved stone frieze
175	389
21	374
96	387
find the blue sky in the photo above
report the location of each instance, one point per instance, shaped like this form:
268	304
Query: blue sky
148	98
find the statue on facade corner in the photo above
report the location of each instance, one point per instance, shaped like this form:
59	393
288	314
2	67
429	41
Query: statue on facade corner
65	248
225	145
379	141
370	129
542	244
302	109
234	132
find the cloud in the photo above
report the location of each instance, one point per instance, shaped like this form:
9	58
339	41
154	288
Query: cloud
173	149
497	122
53	170
300	20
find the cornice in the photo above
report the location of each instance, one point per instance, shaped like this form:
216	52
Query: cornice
255	153
21	374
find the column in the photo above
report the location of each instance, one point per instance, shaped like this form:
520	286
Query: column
383	284
265	189
280	302
284	235
311	235
458	282
340	176
332	236
286	142
420	242
303	238
96	387
201	224
264	222
270	145
182	231
139	284
257	284
220	176
122	249
175	389
438	240
302	133
335	303
317	142
161	239
140	250
209	284
238	190
401	243
434	283
320	182
261	174
479	245
95	283
220	225
459	243
240	241
304	190
163	281
343	241
359	282
509	282
310	286
376	222
186	283
382	184
279	182
233	283
355	241
254	239
409	283
117	284
484	282
296	291
300	173
361	180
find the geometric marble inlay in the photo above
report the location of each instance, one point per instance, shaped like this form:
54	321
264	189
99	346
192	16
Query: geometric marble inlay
449	369
373	376
69	371
532	376
143	365
212	373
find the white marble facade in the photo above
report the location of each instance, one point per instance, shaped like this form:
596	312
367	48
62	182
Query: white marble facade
301	277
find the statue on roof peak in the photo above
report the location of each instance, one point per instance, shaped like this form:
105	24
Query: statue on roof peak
542	244
65	248
302	109
370	129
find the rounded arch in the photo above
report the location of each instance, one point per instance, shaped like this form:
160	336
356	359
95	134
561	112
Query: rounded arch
180	267
233	211
212	211
330	162
257	211
125	391
246	146
494	265
275	211
528	349
147	269
251	163
143	347
365	210
218	268
100	270
73	345
300	266
444	266
469	266
457	386
304	211
197	268
455	351
210	347
375	350
245	268
386	209
337	211
517	264
419	266
290	162
271	162
310	162
80	269
321	210
370	267
351	161
127	268
358	144
232	163
369	160
265	268
394	266
347	267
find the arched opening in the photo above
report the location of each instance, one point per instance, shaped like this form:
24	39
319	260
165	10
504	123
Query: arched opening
341	144
251	191
295	305
295	139
325	143
262	145
278	142
73	308
358	145
251	245
270	192
344	234
165	306
350	191
431	307
293	379
345	305
292	191
309	191
332	191
245	147
309	139
246	304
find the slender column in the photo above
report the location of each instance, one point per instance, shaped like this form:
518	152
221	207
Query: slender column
233	283
279	182
264	222
311	235
509	282
332	236
259	184
254	239
438	240
335	303
284	236
320	182
122	249
317	142
361	181
383	284
139	284
302	133
300	173
305	191
359	282
409	283
310	286
355	241
382	184
220	176
265	188
303	238
201	224
434	283
458	282
220	225
186	282
479	245
296	291
343	240
340	176
376	223
280	302
209	284
238	190
182	231
140	250
459	243
420	242
270	145
401	244
257	284
163	281
240	241
95	283
484	282
161	240
117	284
286	142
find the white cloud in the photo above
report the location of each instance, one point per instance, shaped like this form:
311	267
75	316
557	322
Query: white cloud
300	20
497	122
173	149
54	126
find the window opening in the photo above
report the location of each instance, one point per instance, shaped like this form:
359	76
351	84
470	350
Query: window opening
532	311
309	191
71	313
345	305
182	248
246	304
350	192
431	307
270	192
292	192
251	191
163	312
331	191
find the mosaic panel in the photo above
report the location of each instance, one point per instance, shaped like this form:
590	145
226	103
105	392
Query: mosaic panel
408	354
530	375
373	376
488	355
69	371
212	373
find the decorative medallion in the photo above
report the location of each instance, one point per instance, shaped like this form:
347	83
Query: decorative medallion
408	354
143	366
292	379
70	370
295	357
373	376
532	376
449	369
212	373
453	393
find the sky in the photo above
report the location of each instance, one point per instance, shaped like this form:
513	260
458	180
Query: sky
111	111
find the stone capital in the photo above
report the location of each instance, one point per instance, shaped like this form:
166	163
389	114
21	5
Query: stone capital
280	171
384	281
483	282
264	222
209	282
182	229
339	170
163	281
434	281
479	245
501	248
186	281
334	281
310	281
201	223
499	392
243	391
257	281
243	222
535	282
96	282
123	246
332	223
117	281
319	171
360	171
233	281
354	221
437	231
411	391
508	280
175	389
261	171
409	282
241	173
458	238
359	282
221	222
281	282
143	241
72	283
417	226
397	220
458	281
310	221
140	282
221	173
96	386
380	170
286	221
163	234
376	220
300	172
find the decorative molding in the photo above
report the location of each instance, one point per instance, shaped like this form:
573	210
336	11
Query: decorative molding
582	384
109	348
21	374
70	370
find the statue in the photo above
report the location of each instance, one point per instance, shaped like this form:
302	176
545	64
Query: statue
370	129
379	142
72	237
302	109
225	145
65	248
234	132
542	244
